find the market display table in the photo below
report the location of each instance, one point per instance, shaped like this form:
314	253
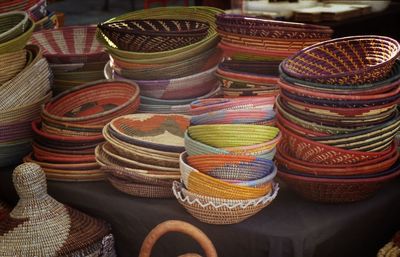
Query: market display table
290	226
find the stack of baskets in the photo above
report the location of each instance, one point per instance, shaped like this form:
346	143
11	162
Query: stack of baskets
141	155
254	47
227	170
25	80
71	128
37	10
170	53
74	54
338	114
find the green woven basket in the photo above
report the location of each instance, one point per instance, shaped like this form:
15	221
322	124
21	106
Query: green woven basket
12	24
18	42
206	14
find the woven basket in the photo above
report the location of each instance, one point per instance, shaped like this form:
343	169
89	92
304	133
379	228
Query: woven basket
202	14
152	35
284	158
204	184
95	103
196	64
345	61
74	44
11	64
392	248
12	24
337	190
58	230
15	92
18	42
221	211
8	6
232	135
235	117
252	26
160	132
38	10
312	151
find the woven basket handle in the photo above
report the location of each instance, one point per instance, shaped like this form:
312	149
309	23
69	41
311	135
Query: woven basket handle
177	226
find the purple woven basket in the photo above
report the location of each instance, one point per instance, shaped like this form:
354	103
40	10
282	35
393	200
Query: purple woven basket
344	61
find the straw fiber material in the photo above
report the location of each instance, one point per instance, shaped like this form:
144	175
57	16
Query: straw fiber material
12	24
11	64
58	230
18	42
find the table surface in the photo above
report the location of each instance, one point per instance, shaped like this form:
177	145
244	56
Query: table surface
290	226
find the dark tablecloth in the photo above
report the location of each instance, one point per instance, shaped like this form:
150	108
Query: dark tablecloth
290	226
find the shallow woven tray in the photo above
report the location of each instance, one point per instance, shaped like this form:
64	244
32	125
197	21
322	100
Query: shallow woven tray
153	35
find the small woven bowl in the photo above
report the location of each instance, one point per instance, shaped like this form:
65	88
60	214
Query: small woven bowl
152	35
200	183
337	190
12	24
202	106
232	167
313	151
64	45
285	159
344	61
232	135
95	103
18	42
221	211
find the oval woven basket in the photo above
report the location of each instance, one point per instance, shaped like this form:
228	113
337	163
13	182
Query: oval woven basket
12	24
73	44
337	190
221	211
344	61
95	103
203	14
154	35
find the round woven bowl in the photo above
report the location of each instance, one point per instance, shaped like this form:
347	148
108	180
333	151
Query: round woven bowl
196	64
156	131
202	106
179	88
252	26
313	151
284	158
203	184
18	42
337	190
154	35
95	103
73	44
264	150
240	52
232	167
203	14
221	211
12	24
232	135
344	61
261	116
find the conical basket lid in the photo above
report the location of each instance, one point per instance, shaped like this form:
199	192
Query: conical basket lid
41	226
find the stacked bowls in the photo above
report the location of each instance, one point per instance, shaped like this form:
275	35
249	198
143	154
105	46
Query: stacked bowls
170	53
74	54
254	47
25	80
71	128
227	170
141	153
338	114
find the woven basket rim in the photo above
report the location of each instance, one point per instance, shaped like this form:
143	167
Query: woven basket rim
393	57
25	35
22	23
